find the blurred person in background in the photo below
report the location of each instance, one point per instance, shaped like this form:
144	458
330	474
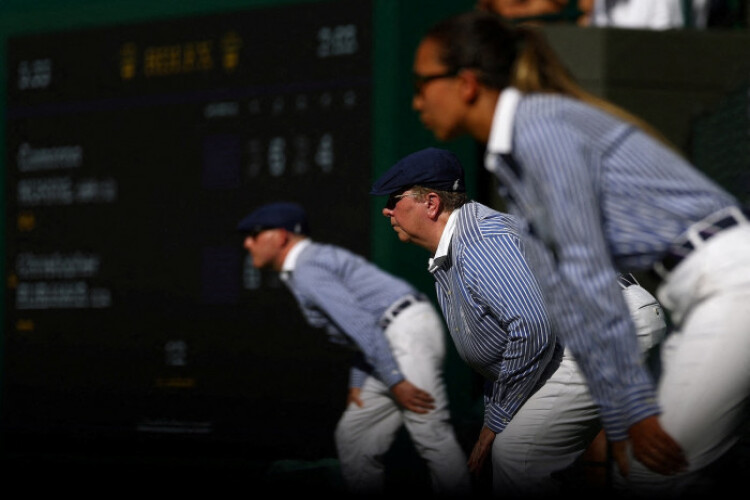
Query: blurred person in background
648	14
396	377
539	11
626	14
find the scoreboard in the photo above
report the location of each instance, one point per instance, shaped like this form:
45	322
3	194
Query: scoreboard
132	151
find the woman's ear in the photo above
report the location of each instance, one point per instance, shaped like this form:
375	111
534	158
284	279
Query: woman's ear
469	84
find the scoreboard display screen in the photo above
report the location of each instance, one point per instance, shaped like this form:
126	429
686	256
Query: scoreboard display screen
132	152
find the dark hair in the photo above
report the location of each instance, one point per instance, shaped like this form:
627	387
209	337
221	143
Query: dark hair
481	41
504	54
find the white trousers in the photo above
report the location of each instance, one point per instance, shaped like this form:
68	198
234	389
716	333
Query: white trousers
364	435
705	371
546	436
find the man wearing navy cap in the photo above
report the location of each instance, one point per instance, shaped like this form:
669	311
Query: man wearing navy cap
539	417
399	339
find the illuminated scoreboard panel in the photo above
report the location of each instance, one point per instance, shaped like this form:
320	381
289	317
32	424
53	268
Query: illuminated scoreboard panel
132	153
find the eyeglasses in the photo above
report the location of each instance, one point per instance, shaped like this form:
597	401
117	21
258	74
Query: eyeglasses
257	230
421	80
395	198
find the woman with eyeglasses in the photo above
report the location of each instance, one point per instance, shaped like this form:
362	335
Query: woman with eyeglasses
599	192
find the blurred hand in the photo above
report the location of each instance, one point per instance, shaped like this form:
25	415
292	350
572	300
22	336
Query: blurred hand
652	446
353	397
481	451
412	397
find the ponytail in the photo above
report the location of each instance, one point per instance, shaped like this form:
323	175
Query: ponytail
519	56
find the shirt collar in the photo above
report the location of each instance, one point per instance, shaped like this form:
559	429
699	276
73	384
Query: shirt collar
290	262
501	132
441	253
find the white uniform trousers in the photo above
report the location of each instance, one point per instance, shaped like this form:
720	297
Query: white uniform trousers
705	366
546	436
364	435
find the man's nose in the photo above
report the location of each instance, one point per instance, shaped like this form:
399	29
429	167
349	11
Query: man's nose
417	101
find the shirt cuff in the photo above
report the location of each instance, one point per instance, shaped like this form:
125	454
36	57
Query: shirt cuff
496	418
636	406
391	377
357	377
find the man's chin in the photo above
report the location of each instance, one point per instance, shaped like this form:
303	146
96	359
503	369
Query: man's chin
403	237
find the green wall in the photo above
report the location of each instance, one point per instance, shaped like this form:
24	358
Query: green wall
399	26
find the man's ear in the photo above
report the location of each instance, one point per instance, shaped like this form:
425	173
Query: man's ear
434	205
282	237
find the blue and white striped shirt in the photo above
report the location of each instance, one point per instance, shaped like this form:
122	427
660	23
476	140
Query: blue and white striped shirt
493	308
347	296
597	195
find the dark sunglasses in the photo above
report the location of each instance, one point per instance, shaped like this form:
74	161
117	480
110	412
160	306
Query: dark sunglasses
393	199
421	80
257	230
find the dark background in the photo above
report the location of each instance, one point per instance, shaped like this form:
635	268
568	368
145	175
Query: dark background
190	152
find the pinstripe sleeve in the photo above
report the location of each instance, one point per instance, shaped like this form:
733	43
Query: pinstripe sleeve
501	284
322	287
593	318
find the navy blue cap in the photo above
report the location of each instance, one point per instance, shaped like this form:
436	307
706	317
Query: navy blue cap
287	215
431	167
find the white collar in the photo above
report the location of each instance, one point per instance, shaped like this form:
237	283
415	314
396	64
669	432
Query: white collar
441	253
501	132
291	258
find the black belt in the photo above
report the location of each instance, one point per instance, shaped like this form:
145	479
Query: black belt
625	281
679	251
397	308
